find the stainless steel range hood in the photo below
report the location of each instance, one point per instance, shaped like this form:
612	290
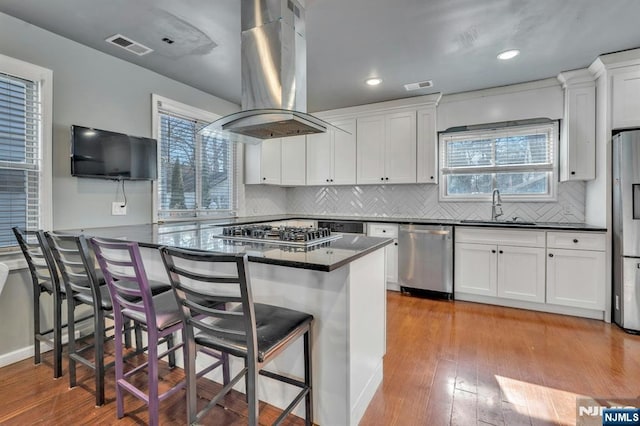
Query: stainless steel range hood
274	77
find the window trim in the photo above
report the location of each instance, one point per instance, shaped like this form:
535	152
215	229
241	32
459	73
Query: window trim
188	111
44	77
552	196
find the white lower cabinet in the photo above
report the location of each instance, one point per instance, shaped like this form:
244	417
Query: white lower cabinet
575	277
388	230
521	273
510	272
552	271
476	269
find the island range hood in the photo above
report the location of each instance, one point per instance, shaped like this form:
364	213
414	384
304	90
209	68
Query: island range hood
274	81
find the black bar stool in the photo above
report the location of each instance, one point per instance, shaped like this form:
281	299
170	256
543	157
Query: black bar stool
44	278
255	332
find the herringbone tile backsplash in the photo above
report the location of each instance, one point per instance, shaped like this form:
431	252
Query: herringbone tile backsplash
421	201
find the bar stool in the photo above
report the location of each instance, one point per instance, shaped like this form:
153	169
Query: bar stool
44	279
77	266
255	332
121	264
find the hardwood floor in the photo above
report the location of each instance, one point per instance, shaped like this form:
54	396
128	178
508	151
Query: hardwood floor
447	363
29	395
463	363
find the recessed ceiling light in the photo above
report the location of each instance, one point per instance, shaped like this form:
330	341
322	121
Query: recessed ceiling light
508	54
373	81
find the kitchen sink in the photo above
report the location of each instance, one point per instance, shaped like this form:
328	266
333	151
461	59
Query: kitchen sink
498	222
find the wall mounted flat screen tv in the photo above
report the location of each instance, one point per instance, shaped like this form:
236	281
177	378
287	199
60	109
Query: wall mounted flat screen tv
109	155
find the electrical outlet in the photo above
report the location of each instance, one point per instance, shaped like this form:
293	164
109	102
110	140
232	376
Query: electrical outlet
118	208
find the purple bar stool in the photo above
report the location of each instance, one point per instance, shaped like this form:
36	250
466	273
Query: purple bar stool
121	264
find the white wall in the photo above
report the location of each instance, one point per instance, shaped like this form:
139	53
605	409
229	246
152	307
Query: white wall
93	89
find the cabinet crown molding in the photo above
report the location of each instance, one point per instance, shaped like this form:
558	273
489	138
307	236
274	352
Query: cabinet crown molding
382	107
615	60
581	77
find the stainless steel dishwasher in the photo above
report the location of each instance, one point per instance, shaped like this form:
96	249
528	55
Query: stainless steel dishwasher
425	260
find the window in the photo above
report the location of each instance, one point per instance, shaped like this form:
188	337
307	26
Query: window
519	161
196	170
25	138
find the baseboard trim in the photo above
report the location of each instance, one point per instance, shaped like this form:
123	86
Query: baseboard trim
542	307
28	351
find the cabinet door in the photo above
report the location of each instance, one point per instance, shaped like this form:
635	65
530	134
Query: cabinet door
293	166
270	161
521	273
344	153
391	253
400	147
579	145
319	158
427	167
626	99
576	278
252	163
476	269
370	149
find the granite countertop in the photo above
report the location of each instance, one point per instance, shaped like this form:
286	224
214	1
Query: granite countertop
206	235
451	222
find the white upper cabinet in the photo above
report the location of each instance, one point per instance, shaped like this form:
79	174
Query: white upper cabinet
427	160
386	148
577	143
331	156
626	98
319	155
293	166
344	153
370	149
271	161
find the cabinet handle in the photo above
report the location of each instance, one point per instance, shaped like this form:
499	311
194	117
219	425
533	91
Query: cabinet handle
381	178
327	180
550	254
331	180
431	177
493	251
384	230
386	178
264	178
500	252
575	240
395	244
573	173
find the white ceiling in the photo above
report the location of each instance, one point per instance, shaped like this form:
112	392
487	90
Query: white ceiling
452	42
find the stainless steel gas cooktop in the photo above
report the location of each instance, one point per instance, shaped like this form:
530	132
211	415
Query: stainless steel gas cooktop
285	235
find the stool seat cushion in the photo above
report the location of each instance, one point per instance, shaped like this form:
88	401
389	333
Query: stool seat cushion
166	309
273	327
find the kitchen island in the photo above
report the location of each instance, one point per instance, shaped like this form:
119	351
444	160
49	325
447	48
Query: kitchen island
340	282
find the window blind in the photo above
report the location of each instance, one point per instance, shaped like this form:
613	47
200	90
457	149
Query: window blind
197	169
20	155
519	161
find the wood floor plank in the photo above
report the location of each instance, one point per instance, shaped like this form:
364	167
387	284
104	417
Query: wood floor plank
446	363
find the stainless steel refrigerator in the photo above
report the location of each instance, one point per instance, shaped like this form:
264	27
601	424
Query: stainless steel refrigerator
626	230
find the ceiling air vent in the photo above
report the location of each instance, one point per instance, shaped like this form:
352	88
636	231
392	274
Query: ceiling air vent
128	44
419	85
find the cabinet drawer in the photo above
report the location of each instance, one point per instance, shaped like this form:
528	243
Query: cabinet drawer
382	230
501	236
576	240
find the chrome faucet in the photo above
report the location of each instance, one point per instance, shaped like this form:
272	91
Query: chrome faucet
496	205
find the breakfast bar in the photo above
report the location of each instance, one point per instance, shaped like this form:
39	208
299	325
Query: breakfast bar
341	282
